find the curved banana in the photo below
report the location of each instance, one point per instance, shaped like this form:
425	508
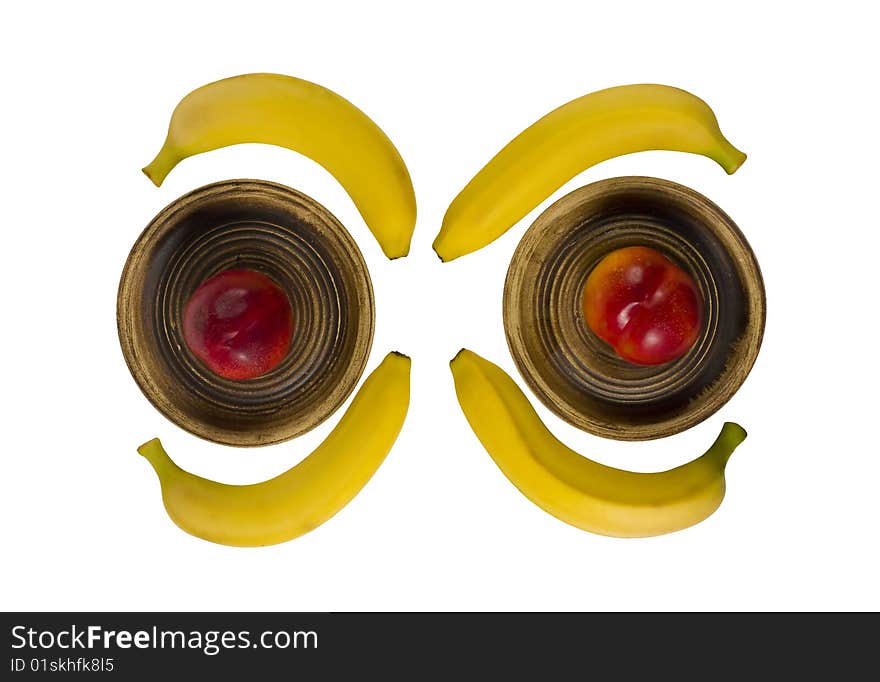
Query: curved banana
571	487
570	139
311	120
304	497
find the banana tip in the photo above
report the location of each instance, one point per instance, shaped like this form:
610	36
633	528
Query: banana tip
394	252
437	249
457	355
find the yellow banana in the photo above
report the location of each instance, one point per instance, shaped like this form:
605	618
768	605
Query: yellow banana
570	139
304	497
311	120
571	487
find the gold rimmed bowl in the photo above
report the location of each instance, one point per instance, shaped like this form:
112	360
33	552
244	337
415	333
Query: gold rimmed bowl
576	374
302	247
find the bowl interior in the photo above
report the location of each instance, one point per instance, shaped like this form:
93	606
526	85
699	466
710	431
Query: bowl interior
301	246
580	377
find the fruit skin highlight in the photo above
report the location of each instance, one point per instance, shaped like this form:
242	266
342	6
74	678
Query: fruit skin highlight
239	323
306	118
643	305
593	128
304	497
574	489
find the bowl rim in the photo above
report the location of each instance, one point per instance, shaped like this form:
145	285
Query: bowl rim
129	297
741	358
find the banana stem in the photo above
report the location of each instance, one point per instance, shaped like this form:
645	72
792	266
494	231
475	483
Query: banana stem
730	158
155	454
161	166
731	436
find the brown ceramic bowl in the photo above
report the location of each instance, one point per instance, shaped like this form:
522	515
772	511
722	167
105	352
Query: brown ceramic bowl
294	240
576	374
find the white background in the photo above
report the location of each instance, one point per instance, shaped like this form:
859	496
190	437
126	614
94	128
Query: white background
87	93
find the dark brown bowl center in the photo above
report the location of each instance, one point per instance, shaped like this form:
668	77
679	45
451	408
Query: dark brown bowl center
579	376
297	243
